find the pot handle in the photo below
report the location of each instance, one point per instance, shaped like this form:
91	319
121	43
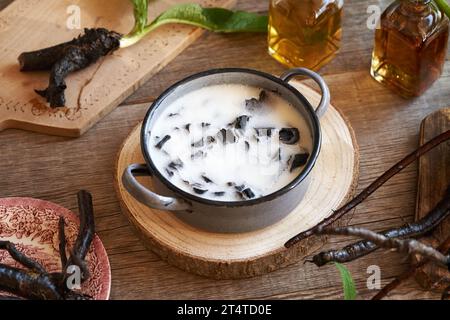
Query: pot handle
147	197
325	101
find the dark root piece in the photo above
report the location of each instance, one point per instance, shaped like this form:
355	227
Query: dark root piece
289	135
443	247
162	142
69	57
35	282
20	257
372	187
44	59
254	104
176	164
299	161
248	193
241	122
407	246
86	233
28	284
416	229
62	242
199	191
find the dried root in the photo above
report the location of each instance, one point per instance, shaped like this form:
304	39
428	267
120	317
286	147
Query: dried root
443	248
35	282
445	136
412	230
408	246
69	57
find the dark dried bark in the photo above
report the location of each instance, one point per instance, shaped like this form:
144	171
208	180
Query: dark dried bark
62	242
443	248
28	284
412	230
36	282
407	246
44	59
20	257
445	136
86	233
69	57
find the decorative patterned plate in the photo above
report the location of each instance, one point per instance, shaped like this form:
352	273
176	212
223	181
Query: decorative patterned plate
32	225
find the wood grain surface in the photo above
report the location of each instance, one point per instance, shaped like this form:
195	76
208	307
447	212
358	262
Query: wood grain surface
433	181
92	92
243	255
386	127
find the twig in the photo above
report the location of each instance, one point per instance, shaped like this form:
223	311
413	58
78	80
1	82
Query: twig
86	233
373	186
444	247
37	283
407	246
62	243
364	247
21	258
28	284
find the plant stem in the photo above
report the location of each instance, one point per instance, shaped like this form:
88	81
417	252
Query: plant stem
407	246
136	36
444	6
372	187
212	19
410	230
444	247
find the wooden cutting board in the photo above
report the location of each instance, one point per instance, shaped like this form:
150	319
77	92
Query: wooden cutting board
434	178
27	25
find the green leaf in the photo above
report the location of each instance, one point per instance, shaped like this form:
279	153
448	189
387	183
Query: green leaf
347	282
140	15
444	6
213	19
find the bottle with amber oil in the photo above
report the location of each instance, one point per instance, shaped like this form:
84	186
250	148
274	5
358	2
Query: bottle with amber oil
305	33
410	46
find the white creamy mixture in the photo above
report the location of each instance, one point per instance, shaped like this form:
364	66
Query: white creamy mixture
230	142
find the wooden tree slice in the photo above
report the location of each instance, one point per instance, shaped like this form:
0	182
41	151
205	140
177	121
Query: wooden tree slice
242	255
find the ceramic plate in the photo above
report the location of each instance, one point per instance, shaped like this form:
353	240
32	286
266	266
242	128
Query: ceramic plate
32	225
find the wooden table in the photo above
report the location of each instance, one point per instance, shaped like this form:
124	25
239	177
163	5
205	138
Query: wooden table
386	126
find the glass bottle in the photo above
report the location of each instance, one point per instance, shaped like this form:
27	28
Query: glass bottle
305	33
410	46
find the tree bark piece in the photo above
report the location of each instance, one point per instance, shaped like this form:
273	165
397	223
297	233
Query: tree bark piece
434	177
